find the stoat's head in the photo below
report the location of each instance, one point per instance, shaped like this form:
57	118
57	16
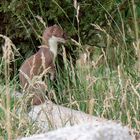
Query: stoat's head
54	33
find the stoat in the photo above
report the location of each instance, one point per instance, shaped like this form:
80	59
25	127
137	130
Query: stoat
40	62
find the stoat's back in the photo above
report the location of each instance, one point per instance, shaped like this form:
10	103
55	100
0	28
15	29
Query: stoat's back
35	65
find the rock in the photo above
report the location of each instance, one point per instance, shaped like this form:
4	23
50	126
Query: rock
51	116
89	131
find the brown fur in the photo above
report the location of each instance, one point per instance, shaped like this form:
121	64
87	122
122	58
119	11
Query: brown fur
33	67
37	64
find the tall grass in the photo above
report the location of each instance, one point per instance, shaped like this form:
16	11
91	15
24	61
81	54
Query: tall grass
91	85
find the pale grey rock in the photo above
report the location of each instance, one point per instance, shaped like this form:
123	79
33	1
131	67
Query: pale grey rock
89	131
51	116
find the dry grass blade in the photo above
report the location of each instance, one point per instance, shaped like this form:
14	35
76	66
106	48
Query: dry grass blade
8	57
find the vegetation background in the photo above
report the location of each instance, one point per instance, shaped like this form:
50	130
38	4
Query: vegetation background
97	70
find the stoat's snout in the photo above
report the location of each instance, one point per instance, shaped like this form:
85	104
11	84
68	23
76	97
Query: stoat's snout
58	39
